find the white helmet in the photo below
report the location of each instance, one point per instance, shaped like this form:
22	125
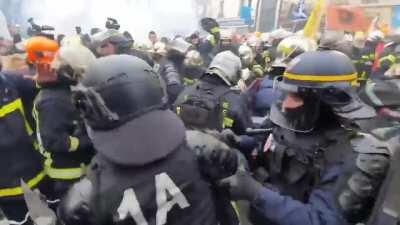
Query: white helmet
71	40
246	55
159	48
227	66
77	57
180	45
293	46
375	36
193	59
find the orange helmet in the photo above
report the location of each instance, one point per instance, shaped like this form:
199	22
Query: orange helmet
41	50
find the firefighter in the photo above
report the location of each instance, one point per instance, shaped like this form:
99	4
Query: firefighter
60	132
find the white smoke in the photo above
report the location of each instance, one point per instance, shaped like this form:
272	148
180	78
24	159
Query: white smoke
4	33
166	17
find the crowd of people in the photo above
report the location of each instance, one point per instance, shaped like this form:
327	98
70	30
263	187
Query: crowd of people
259	128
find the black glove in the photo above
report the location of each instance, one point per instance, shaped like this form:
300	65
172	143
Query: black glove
218	163
241	186
227	136
216	159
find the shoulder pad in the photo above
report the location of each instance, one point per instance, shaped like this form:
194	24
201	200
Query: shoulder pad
367	143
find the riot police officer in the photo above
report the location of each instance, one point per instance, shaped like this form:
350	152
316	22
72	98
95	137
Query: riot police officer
315	174
143	172
213	102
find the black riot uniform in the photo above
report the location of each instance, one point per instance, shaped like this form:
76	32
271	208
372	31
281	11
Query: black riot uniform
143	172
318	172
20	158
212	102
61	135
381	94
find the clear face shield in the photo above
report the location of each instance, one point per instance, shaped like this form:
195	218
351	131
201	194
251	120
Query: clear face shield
340	97
298	108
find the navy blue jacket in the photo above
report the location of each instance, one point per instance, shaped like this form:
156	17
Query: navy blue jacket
283	210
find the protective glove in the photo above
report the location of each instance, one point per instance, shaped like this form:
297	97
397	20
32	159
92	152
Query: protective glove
243	143
216	159
227	136
74	208
241	186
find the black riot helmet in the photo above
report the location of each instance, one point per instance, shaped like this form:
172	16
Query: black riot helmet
121	43
310	79
122	102
318	70
116	89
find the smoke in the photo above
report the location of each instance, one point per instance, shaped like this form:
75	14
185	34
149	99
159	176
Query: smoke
166	17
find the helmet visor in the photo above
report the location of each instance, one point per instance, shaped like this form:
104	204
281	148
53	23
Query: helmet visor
295	111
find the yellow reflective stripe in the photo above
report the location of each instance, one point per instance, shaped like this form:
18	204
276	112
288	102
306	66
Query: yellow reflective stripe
213	41
7	192
14	106
320	78
38	135
178	110
225	105
188	81
214	30
228	122
236	208
391	58
365	57
64	173
362	76
10	107
73	143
